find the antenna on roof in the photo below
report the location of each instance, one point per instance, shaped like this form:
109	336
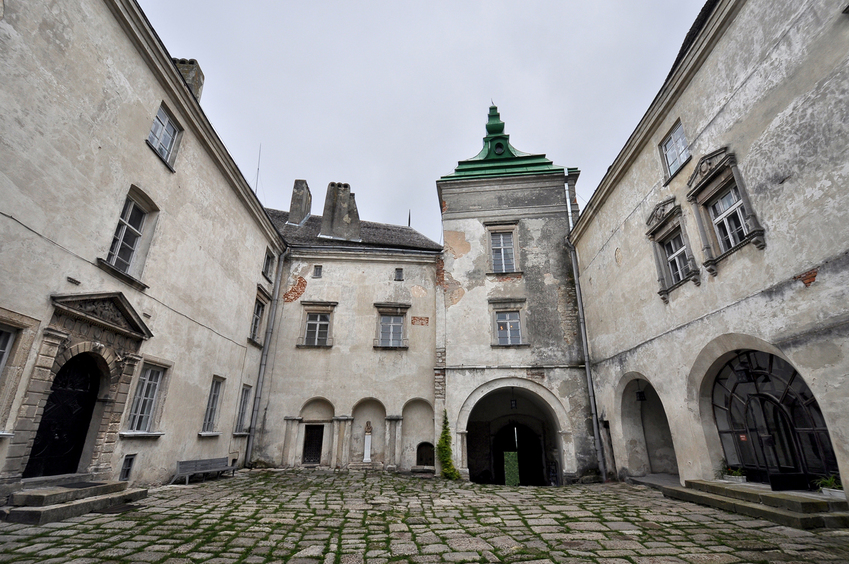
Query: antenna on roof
256	182
409	214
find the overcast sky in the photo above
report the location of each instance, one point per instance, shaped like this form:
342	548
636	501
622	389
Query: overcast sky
388	95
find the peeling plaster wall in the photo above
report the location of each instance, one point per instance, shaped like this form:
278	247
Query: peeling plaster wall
552	360
78	101
772	91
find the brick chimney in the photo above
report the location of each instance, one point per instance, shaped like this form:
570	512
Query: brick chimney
340	219
190	69
299	209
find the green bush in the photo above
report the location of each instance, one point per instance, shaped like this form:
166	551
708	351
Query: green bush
443	451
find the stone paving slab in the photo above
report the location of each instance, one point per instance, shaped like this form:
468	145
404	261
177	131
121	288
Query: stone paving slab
324	517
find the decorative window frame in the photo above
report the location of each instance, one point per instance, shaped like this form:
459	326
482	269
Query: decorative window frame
665	221
503	305
133	274
716	173
163	114
316	307
394	309
511	227
152	431
684	157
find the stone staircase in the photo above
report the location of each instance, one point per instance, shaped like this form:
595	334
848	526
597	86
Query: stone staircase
55	502
798	509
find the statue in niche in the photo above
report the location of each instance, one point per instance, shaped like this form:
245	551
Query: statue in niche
367	446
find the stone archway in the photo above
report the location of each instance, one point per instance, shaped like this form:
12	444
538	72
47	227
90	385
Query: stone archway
511	430
649	447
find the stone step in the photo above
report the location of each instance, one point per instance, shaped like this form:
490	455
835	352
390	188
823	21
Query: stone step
74	508
63	493
782	516
365	466
798	501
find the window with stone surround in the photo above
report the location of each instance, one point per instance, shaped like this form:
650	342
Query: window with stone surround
671	248
508	327
7	341
391	326
502	242
317	330
726	219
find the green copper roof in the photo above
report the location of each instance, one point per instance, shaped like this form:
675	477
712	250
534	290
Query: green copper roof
499	158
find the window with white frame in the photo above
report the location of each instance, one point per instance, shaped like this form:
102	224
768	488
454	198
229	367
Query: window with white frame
726	211
503	257
242	424
317	327
7	340
144	401
268	264
128	235
507	321
212	405
164	136
727	221
508	328
674	149
256	320
673	257
391	325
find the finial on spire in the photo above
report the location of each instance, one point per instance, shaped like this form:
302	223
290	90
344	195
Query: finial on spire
494	125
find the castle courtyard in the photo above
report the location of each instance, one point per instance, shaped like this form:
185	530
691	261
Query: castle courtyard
310	516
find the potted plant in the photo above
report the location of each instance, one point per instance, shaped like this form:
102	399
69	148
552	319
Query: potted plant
831	486
730	474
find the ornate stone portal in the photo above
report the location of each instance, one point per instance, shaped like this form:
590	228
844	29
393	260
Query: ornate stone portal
106	327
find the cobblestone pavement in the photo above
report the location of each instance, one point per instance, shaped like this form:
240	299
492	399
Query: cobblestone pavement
322	517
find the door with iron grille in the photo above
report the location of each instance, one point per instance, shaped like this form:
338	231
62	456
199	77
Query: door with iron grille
62	432
313	438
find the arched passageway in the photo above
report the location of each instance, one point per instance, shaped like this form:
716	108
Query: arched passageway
65	421
769	423
647	432
512	438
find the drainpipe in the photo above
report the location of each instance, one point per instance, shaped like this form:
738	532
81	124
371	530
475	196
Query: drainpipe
596	432
269	331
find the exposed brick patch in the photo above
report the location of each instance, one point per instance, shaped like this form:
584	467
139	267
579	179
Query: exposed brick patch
420	320
295	291
537	374
444	206
807	278
507	277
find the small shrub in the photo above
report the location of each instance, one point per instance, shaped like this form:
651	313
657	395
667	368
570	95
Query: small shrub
443	451
829	482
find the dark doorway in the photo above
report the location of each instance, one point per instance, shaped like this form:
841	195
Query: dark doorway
424	454
313	439
62	432
770	424
512	420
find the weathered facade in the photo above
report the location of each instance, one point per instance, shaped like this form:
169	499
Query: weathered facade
713	256
513	364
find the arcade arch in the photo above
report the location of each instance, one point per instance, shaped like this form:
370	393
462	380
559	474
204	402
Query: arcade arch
647	437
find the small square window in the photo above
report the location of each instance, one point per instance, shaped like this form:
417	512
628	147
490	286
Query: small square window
268	264
164	135
316	271
212	405
256	320
399	274
674	149
508	326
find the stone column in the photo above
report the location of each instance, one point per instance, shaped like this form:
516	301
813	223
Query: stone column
392	427
346	440
334	455
290	436
462	456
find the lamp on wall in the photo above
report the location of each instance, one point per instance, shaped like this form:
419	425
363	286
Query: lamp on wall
513	404
641	395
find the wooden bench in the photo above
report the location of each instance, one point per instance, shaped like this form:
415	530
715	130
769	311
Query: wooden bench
188	468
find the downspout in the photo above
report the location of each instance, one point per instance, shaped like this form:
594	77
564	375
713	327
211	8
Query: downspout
596	432
269	332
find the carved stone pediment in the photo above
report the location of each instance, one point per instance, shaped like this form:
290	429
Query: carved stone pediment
109	310
709	165
661	211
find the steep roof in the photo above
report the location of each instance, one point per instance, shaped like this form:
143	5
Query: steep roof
499	158
372	235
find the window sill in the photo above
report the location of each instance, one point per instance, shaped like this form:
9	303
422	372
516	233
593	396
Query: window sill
140	434
391	348
303	346
205	434
520	345
518	273
254	342
267	277
155	152
677	170
242	434
693	276
122	276
755	237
